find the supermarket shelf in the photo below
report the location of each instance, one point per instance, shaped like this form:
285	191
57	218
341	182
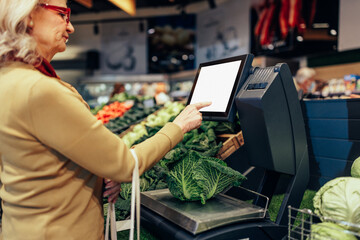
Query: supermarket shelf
183	76
146	78
125	78
337	71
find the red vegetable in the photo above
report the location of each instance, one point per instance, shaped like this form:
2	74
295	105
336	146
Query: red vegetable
283	18
265	37
295	17
113	110
260	22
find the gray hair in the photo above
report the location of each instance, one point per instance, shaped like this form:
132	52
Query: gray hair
16	44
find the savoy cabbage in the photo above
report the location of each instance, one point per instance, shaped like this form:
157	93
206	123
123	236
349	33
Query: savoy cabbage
197	177
339	199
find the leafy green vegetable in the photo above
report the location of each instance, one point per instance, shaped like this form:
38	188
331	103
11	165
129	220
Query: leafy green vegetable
208	124
165	114
213	176
126	188
339	199
155	177
122	209
197	177
328	231
355	168
221	127
172	156
181	183
125	191
96	109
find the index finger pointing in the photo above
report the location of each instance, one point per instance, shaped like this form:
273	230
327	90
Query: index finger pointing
202	105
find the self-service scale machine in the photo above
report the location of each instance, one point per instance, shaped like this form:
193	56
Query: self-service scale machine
275	146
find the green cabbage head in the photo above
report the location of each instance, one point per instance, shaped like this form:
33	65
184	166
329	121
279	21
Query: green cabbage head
328	231
355	168
196	177
339	199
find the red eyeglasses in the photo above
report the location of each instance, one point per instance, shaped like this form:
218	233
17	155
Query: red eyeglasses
64	12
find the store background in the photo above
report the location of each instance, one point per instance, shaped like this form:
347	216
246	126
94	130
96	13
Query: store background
165	44
218	32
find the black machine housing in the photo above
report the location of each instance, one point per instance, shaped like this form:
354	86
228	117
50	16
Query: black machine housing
274	132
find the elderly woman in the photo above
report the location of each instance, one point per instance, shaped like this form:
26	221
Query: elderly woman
54	153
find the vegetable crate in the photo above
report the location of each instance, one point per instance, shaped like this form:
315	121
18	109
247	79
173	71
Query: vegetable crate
231	142
305	225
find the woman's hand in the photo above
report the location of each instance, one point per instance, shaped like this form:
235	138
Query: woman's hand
112	190
190	118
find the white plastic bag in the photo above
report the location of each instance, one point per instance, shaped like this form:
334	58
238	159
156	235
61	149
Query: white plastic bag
118	226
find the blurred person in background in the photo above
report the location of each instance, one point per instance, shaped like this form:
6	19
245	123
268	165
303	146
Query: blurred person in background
307	84
54	154
305	80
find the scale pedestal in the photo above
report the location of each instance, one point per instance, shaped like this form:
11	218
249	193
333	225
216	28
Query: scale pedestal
164	229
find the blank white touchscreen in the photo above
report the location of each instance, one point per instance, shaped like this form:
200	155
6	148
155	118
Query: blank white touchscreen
215	83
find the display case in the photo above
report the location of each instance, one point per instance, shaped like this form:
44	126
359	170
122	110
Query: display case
97	90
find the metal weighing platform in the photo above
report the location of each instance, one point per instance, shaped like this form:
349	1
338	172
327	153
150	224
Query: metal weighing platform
196	217
275	142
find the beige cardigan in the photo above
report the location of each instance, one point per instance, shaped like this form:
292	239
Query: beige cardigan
55	155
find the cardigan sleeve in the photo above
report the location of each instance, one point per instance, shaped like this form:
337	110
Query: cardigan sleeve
62	122
1	169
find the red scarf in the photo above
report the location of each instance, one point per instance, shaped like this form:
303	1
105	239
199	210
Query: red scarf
47	69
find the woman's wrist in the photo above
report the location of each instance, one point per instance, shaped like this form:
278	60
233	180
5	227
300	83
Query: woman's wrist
181	126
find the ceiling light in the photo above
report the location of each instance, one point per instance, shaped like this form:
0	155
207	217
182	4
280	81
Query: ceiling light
127	5
333	32
86	3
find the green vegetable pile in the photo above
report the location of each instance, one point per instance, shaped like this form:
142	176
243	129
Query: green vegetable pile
134	114
164	115
202	141
169	111
124	96
190	170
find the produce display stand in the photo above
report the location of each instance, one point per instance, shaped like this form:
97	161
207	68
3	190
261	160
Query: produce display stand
140	121
231	143
333	130
274	140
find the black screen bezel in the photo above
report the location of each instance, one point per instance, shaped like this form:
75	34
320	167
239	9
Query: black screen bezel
221	115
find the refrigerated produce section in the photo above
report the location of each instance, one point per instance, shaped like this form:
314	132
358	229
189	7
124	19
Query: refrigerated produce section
272	124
